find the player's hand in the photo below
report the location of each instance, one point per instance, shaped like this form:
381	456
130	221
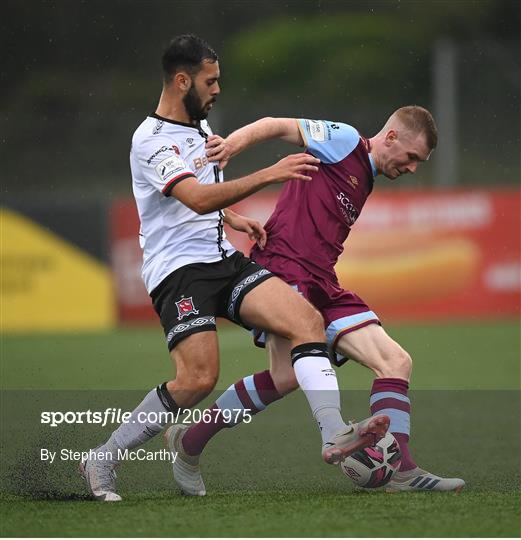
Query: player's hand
251	227
295	167
218	150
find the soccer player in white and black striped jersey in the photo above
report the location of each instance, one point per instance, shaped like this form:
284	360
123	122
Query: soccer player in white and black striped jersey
193	275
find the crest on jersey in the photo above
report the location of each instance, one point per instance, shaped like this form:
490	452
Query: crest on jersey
185	307
176	149
353	180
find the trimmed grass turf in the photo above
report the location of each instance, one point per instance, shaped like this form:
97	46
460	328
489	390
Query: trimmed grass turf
305	499
452	356
279	514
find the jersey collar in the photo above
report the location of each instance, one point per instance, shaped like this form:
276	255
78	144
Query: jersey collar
373	166
196	126
367	144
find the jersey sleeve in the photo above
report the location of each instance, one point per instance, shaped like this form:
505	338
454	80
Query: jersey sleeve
329	141
162	165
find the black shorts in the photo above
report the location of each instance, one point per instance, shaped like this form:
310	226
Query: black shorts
190	298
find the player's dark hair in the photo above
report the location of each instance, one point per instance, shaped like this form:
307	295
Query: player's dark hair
186	52
419	120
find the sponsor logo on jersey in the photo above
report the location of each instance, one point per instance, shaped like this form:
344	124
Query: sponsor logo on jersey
176	150
190	142
317	130
347	208
156	153
200	162
185	307
169	166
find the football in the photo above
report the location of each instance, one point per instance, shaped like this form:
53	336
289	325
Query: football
374	466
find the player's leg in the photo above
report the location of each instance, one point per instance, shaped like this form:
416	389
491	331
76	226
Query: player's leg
196	360
186	305
372	347
277	308
247	397
197	369
255	392
251	394
281	371
284	378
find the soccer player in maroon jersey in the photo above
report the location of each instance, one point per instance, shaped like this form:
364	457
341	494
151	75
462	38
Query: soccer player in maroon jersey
306	233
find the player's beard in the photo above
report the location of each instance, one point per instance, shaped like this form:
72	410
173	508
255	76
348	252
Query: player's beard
194	105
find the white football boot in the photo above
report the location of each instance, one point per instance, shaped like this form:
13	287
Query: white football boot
187	473
101	479
419	480
355	437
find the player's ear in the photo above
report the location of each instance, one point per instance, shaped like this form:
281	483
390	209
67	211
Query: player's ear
182	81
390	137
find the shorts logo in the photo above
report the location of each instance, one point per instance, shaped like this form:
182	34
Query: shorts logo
240	288
181	328
185	307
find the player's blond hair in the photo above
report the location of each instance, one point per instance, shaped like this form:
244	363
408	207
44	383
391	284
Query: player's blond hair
418	120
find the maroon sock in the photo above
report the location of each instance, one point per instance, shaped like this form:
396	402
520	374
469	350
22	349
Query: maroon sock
407	462
251	394
389	396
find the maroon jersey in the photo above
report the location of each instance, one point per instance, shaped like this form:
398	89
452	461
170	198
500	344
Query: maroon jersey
312	219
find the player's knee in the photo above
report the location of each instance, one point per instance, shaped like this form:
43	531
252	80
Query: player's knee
398	365
310	326
284	381
205	383
198	385
316	322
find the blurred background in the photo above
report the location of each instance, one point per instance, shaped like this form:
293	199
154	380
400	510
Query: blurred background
78	77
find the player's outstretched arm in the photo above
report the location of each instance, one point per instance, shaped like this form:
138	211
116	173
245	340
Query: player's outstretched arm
222	150
205	198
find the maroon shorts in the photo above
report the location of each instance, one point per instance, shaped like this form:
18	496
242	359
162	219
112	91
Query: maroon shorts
343	311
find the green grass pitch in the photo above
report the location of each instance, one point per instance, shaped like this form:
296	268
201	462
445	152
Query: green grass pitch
266	478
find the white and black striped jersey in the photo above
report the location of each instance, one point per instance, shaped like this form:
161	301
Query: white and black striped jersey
164	153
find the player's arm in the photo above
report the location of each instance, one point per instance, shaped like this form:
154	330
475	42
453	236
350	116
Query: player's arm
222	150
205	198
251	227
329	141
